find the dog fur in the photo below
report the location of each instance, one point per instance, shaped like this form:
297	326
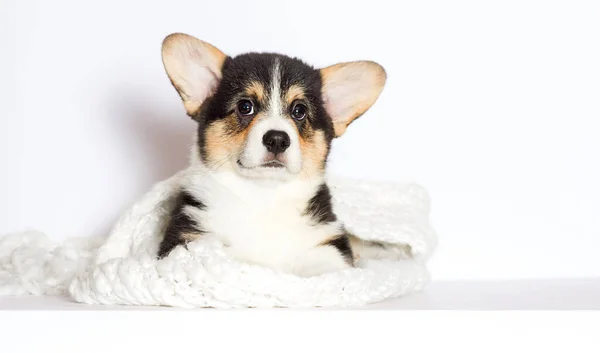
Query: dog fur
257	176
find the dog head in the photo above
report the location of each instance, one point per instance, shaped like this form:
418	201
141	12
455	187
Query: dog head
267	115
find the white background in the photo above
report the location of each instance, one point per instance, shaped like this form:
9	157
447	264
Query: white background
493	106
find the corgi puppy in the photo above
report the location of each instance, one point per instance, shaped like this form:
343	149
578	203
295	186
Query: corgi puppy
257	174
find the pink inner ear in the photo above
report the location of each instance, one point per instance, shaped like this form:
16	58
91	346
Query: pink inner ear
201	82
336	106
343	94
193	66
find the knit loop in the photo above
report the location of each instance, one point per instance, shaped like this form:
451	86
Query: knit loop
122	268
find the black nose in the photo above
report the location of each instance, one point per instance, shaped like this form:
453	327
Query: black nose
276	141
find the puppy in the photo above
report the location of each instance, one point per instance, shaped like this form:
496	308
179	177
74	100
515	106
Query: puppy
257	174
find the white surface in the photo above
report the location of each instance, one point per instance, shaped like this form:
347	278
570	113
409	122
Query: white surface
572	294
493	106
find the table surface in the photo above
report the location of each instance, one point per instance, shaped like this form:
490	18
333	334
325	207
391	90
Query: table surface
560	294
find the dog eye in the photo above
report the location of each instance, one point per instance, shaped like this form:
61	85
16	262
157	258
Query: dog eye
245	107
299	111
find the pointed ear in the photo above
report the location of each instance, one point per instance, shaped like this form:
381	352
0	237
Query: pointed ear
350	89
194	68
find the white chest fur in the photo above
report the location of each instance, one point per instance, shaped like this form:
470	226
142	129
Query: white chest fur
264	223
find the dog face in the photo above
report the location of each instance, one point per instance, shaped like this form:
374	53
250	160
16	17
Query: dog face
267	115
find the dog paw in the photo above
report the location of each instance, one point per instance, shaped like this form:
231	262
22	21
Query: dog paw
383	251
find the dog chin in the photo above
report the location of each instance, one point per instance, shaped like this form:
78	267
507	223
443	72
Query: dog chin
272	171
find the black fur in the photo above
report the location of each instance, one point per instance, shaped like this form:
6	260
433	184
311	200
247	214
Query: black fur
342	244
179	224
238	73
319	207
241	71
321	210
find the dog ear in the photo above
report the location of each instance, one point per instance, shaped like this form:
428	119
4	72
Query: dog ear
350	89
194	68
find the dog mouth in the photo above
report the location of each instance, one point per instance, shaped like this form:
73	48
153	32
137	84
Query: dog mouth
273	164
268	164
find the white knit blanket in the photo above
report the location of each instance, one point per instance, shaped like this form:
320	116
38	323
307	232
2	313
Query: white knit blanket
122	269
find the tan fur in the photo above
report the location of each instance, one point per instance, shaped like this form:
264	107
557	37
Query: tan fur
218	143
222	143
356	243
313	144
188	237
258	90
293	93
314	151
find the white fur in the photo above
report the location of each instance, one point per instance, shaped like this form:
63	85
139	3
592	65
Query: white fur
275	105
274	118
258	212
255	152
262	221
122	268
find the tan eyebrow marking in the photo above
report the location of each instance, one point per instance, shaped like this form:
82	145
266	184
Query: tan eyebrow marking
256	89
293	93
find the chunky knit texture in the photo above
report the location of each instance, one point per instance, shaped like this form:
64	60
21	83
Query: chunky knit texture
122	269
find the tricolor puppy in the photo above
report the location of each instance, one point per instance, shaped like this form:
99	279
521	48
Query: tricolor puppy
257	174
